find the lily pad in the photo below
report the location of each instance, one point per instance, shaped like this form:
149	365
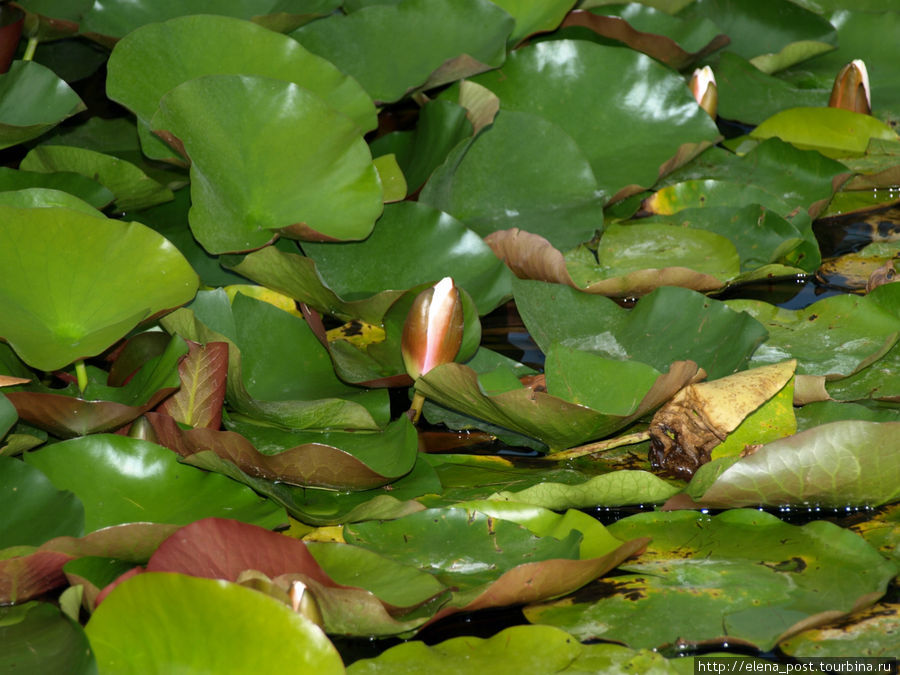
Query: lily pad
312	397
413	244
834	337
832	131
837	464
115	19
64	316
160	622
778	576
441	41
37	637
667	325
34	510
39	198
33	100
870	633
592	92
534	16
73	183
174	51
133	189
441	125
495	181
110	475
249	179
762	27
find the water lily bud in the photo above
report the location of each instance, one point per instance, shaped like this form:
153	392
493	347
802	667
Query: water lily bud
851	89
703	87
303	602
433	331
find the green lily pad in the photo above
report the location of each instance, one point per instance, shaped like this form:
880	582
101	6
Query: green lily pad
174	51
556	422
33	100
485	559
93	574
837	464
289	378
38	638
39	198
719	178
441	125
110	474
749	95
670	39
517	649
777	576
441	41
877	381
834	337
534	16
413	244
116	19
249	179
133	189
171	221
627	249
73	183
832	131
495	181
667	325
160	622
762	27
822	412
65	316
297	277
592	92
34	510
761	236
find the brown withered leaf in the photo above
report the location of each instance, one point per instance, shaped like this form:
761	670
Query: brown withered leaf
700	416
198	403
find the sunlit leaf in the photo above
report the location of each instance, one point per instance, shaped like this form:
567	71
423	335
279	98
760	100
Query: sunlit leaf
122	480
269	157
159	622
837	464
54	312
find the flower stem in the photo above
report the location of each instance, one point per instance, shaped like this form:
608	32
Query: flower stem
415	410
81	374
599	446
29	49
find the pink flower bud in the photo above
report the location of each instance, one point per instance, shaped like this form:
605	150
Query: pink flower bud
703	87
851	89
433	331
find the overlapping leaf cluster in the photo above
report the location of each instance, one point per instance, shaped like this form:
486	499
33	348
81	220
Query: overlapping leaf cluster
203	295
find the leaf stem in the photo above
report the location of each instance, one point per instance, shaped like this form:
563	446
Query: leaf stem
415	410
29	49
81	374
599	446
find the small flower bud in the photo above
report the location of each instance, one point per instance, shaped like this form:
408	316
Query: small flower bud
703	87
433	331
851	89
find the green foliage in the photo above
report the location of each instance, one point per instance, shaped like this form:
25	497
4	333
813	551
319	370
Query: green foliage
207	260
